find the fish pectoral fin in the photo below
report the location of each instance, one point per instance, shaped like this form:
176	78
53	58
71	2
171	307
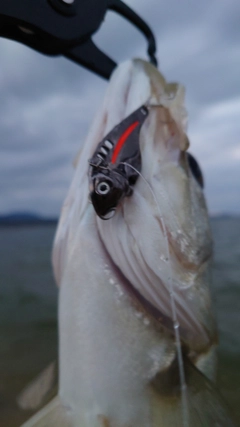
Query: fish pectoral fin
204	407
54	414
207	406
40	390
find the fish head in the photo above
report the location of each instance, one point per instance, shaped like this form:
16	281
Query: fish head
159	237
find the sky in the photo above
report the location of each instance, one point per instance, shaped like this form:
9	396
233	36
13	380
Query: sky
47	104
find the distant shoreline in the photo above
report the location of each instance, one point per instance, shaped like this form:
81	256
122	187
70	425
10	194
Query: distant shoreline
22	219
19	219
224	216
28	224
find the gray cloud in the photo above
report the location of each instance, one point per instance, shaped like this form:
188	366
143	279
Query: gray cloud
47	104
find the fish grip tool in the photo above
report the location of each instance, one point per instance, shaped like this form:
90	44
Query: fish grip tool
65	27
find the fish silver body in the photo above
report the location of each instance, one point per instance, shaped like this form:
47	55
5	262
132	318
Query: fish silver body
117	277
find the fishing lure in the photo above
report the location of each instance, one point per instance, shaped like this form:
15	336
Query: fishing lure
111	179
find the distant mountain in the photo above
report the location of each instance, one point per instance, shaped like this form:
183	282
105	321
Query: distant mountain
225	216
25	218
28	218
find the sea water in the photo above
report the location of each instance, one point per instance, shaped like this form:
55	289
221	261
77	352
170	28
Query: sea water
28	311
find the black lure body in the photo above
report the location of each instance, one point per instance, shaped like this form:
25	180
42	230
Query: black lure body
110	178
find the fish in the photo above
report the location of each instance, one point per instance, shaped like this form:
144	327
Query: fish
137	335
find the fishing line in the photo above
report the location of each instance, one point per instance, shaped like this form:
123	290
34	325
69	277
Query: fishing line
185	410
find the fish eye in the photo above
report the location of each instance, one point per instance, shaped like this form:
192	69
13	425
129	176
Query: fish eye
195	169
103	188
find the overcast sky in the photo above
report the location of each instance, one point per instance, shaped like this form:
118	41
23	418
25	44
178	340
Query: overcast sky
47	104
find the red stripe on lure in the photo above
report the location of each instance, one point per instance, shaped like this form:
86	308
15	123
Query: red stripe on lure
122	141
110	179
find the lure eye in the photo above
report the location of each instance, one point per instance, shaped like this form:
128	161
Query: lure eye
103	188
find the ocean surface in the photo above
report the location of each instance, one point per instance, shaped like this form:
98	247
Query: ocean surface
28	311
